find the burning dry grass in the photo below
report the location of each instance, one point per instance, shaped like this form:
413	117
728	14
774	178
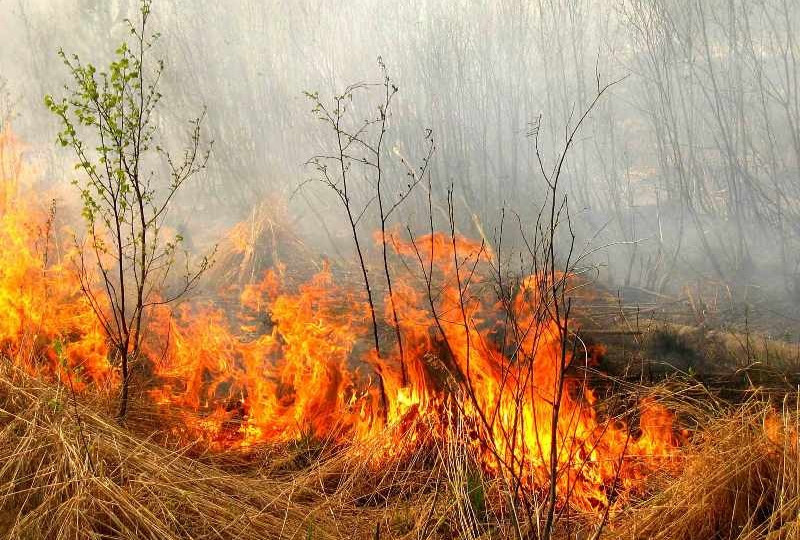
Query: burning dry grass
61	477
741	480
307	445
68	470
291	361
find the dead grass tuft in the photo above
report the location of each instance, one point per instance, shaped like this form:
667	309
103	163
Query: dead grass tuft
741	481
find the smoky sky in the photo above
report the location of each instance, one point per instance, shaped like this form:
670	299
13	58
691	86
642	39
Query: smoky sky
683	169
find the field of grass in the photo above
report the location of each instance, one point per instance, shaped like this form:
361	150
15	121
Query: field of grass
68	469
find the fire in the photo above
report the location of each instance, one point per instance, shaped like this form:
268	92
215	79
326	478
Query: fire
40	296
292	377
285	361
309	369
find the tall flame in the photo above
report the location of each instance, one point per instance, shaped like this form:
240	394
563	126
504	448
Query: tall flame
40	296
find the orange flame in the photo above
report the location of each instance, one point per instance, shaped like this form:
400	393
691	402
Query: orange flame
40	297
283	363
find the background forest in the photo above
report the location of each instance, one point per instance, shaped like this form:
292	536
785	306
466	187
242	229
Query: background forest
688	168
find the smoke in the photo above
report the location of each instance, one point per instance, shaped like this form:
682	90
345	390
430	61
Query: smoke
687	168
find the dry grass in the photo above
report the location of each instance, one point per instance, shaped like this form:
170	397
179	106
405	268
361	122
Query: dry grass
61	477
116	485
741	480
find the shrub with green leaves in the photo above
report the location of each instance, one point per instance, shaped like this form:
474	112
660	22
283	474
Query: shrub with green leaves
127	261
